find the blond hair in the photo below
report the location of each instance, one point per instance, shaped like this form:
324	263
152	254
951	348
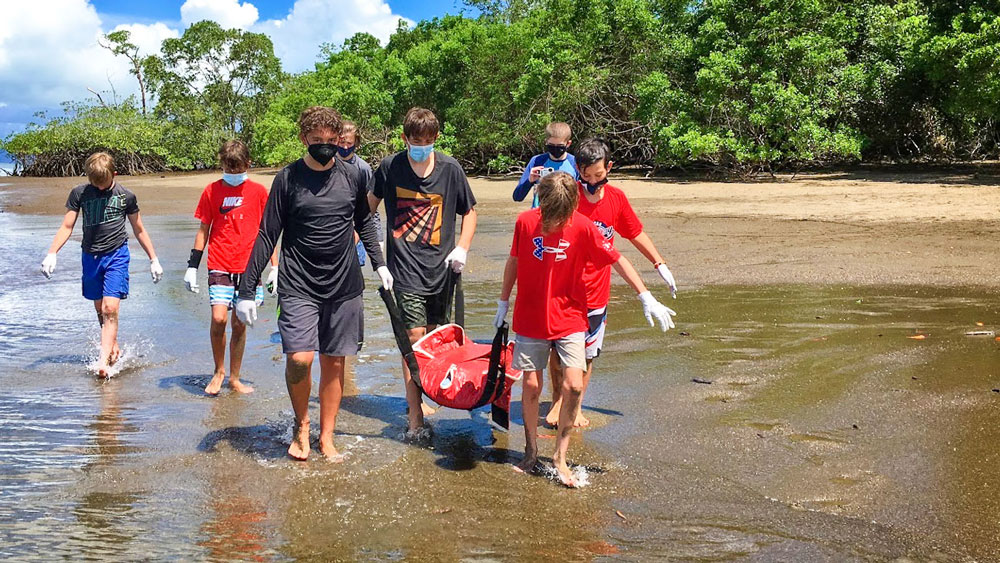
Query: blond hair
558	130
319	117
100	168
558	196
348	126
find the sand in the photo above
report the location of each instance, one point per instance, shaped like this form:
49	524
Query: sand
855	227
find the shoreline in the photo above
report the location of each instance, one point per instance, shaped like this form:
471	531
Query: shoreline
850	228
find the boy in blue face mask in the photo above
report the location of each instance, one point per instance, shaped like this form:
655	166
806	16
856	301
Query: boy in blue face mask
558	138
230	212
347	150
424	191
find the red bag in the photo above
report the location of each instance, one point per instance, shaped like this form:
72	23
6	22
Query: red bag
455	372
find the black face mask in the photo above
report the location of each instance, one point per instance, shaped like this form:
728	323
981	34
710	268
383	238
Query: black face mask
323	153
555	151
592	188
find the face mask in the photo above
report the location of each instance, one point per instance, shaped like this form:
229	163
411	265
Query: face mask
420	153
322	152
234	179
555	151
592	188
345	153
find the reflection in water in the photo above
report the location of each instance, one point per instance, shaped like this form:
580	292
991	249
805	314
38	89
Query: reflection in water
107	525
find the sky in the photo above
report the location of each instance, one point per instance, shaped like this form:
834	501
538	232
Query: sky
49	50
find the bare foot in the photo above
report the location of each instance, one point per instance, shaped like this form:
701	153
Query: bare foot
330	452
116	353
528	465
581	421
421	435
552	418
103	372
215	384
426	409
299	449
565	474
240	387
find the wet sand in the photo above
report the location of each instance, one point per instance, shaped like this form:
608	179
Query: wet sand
934	228
821	431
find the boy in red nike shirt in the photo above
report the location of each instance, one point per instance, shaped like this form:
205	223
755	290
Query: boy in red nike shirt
552	246
230	211
612	214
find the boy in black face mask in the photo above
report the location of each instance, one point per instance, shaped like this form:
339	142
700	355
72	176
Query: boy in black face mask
558	138
316	205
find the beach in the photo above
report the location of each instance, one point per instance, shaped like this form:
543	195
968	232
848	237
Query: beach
791	415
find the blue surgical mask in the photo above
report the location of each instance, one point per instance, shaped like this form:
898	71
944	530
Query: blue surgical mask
420	153
234	179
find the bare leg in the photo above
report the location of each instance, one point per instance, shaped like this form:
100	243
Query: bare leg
331	390
556	375
299	384
531	390
109	331
414	400
580	421
572	392
237	343
217	333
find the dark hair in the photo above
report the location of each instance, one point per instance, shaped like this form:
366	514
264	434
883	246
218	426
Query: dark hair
419	123
234	155
319	117
348	126
558	195
591	152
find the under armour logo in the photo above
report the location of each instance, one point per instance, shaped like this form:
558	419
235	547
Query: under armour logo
541	249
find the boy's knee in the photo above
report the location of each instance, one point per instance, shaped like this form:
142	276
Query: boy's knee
219	318
573	385
109	311
532	387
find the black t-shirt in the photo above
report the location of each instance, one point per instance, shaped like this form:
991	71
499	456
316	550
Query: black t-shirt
316	214
104	213
420	218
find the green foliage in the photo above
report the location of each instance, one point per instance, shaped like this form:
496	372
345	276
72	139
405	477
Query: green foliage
212	84
742	85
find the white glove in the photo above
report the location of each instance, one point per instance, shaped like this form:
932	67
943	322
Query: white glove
272	281
385	277
49	264
156	270
246	311
457	259
502	307
191	280
664	272
653	309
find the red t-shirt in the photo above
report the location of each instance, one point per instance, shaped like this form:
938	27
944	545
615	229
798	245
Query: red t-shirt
551	296
233	213
612	215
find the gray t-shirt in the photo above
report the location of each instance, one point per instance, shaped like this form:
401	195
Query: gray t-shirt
366	176
104	213
420	215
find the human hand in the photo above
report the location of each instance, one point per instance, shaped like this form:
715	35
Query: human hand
272	281
664	272
191	280
501	316
535	174
49	264
385	277
155	270
246	311
653	309
457	259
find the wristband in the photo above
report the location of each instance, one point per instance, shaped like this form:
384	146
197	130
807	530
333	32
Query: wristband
195	260
658	264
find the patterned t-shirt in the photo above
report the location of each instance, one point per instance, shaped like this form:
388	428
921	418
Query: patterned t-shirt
103	213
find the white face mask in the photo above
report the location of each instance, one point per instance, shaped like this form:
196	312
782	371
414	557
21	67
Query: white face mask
234	179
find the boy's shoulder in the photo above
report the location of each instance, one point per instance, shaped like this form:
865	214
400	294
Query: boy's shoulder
120	189
390	159
77	190
446	162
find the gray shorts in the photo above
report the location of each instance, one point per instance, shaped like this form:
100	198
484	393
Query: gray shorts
532	354
334	328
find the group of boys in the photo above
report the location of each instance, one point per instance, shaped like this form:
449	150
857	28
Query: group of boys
323	208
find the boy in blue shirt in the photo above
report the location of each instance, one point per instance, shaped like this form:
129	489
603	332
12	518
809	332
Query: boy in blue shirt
558	138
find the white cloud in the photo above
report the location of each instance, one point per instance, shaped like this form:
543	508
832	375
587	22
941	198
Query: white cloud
49	53
310	23
49	50
227	13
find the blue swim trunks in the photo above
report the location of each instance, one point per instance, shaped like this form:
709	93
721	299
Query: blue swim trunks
106	275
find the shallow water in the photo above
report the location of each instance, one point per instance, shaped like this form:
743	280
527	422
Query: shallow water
825	433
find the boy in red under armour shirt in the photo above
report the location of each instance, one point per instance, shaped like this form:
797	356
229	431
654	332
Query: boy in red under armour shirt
552	246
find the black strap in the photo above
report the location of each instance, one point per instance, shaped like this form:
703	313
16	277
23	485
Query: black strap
402	339
459	302
497	374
